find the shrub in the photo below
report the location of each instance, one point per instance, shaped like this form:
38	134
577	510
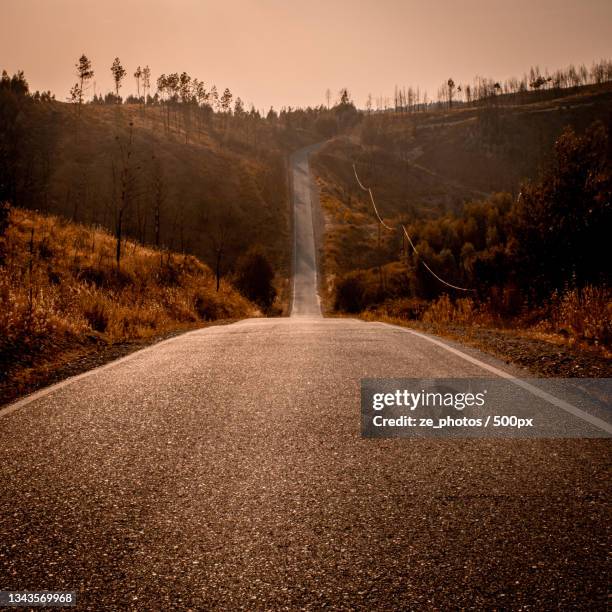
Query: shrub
95	312
254	278
585	314
350	294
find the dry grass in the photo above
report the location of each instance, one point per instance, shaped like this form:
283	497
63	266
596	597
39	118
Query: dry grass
578	316
59	286
584	314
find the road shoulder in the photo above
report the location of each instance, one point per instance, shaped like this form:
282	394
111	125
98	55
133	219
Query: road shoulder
535	354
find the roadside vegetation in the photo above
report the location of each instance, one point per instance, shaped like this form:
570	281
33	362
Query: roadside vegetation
62	295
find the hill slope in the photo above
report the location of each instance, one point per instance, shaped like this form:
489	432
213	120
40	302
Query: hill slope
425	165
173	177
63	299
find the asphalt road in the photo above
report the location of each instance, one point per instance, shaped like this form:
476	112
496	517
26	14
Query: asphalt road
223	469
305	296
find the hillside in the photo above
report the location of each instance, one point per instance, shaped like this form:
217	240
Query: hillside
64	301
489	146
535	262
174	177
425	165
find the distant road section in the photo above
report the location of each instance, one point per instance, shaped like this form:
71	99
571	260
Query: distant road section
305	284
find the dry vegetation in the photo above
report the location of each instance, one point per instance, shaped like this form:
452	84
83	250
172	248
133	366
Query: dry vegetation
537	264
176	176
218	177
582	317
61	292
570	338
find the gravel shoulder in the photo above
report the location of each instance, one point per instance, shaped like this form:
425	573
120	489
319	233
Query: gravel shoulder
540	354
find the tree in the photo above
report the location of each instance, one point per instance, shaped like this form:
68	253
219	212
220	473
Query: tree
226	100
173	81
201	98
561	221
164	92
238	107
328	97
84	73
75	94
185	94
468	94
214	98
184	87
124	181
159	197
119	73
220	236
26	145
345	97
146	82
137	76
200	92
451	91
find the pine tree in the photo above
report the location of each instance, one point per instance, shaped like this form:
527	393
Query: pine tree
137	76
214	98
450	92
84	73
119	73
146	82
226	100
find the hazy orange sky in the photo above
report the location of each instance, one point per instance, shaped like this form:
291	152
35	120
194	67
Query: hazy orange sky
273	52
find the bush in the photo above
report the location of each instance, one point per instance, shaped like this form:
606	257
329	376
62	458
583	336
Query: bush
585	314
350	294
95	312
254	278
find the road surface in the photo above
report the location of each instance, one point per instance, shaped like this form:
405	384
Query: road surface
305	300
223	469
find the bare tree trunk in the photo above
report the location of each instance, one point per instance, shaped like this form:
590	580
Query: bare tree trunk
157	226
118	232
218	267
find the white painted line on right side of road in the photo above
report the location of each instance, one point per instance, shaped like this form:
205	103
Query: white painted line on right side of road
555	401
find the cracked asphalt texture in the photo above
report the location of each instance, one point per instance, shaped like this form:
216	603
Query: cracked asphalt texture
224	469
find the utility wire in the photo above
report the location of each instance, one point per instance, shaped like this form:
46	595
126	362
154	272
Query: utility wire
373	203
407	236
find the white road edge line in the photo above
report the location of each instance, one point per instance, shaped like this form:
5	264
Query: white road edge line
577	412
69	381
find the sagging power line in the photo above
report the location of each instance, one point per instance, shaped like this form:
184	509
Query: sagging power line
380	219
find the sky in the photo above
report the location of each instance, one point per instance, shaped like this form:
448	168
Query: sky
288	53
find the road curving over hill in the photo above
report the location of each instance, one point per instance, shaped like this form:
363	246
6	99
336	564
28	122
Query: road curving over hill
224	469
